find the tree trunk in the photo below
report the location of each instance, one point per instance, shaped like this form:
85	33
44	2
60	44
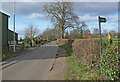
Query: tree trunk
32	42
81	33
62	33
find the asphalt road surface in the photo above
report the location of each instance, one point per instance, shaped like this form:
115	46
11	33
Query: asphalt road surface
34	65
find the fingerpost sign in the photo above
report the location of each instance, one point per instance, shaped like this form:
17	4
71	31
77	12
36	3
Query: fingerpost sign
101	20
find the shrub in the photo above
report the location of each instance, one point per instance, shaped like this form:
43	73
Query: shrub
109	62
77	71
87	51
65	42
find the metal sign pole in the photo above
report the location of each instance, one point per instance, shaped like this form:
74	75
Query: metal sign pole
100	42
101	20
100	36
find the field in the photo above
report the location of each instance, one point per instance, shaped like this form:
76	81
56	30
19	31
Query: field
116	39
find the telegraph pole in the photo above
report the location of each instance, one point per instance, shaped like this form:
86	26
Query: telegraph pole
14	42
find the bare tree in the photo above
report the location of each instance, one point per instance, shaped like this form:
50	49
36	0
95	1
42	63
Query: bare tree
74	34
30	33
96	32
51	33
46	34
114	33
104	33
61	13
86	33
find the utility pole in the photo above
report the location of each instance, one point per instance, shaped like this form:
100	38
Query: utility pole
14	42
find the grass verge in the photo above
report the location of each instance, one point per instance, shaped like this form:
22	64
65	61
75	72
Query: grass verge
10	54
77	71
67	49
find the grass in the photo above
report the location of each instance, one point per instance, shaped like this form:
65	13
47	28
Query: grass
10	54
67	49
116	39
77	71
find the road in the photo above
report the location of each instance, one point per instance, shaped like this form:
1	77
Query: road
34	65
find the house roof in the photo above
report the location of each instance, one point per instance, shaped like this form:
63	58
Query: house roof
4	13
12	31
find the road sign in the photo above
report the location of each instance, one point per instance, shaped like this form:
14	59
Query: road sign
102	19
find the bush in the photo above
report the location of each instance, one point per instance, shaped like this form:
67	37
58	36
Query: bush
77	71
109	62
62	41
87	51
65	42
86	56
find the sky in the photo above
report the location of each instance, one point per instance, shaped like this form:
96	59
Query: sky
32	13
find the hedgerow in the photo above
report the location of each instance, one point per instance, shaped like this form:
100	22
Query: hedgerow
109	62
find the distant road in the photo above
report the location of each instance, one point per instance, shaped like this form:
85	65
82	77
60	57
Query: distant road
32	66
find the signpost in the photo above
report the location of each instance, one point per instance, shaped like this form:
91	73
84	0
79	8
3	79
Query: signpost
101	20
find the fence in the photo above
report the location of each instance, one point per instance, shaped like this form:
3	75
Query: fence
17	47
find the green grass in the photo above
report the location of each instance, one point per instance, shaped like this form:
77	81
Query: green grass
116	39
77	71
10	54
67	49
109	61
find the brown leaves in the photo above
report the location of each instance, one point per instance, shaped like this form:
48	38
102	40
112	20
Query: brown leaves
87	50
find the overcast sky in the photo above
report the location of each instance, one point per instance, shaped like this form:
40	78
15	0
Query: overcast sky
32	12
